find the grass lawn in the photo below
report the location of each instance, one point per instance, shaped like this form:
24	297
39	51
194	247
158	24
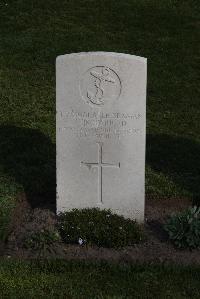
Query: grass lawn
58	279
34	33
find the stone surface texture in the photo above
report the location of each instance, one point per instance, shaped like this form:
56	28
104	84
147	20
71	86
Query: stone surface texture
100	125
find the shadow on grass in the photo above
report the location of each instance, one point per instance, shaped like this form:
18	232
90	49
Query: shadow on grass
178	158
29	157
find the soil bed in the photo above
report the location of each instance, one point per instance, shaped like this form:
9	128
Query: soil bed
156	248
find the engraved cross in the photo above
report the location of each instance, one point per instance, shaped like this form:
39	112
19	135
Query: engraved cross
100	166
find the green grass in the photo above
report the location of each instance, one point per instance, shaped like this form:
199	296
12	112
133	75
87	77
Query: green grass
73	280
34	33
8	191
7	205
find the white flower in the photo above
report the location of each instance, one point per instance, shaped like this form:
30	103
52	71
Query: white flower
108	215
120	227
80	241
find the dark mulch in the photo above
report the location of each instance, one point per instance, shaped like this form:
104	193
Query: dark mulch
156	248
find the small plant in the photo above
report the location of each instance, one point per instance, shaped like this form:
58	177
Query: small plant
42	240
184	228
99	227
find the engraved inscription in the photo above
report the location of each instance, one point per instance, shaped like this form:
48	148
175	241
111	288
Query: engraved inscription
100	85
99	164
101	125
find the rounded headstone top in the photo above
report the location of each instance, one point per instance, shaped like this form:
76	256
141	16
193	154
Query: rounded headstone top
102	53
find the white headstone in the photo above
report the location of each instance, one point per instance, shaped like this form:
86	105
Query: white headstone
101	121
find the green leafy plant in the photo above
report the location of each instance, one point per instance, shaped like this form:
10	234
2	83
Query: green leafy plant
184	228
99	227
42	240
